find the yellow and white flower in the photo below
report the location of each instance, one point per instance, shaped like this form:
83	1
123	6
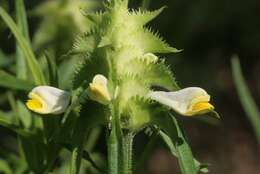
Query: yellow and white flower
98	90
188	101
48	100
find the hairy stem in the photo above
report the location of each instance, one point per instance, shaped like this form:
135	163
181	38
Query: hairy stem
127	145
112	146
113	140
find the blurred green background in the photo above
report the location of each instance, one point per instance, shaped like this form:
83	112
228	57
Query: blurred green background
210	32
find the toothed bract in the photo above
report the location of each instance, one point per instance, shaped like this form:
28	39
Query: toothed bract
123	48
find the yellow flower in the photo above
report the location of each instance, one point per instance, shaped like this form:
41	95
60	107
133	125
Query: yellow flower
98	90
188	101
48	100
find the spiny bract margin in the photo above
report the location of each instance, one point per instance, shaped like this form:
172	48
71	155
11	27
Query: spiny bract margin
122	48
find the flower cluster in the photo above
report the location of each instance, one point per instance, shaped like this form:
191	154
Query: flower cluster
188	101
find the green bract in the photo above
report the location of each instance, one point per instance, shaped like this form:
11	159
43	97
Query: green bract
121	47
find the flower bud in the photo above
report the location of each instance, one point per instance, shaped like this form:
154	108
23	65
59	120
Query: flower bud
188	101
98	90
48	100
150	57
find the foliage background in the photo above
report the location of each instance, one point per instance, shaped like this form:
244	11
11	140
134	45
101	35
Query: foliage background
209	32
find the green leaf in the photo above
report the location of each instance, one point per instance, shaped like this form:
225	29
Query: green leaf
10	81
78	144
34	153
27	51
4	60
25	116
4	167
70	116
9	123
52	69
78	97
93	138
6	120
22	25
32	149
172	128
170	144
86	156
245	97
81	130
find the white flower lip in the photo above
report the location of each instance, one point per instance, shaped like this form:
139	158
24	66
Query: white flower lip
188	101
48	100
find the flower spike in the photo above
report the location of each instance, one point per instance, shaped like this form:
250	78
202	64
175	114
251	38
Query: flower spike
188	101
48	100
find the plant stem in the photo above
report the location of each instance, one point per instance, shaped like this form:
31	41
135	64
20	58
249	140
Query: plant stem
127	145
112	146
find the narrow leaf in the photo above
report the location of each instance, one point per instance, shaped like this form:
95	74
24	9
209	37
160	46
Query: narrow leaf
52	68
4	167
10	81
172	128
7	123
245	97
5	60
22	25
78	142
25	116
167	140
31	60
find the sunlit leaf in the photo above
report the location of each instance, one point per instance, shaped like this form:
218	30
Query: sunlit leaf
170	144
27	51
4	167
25	115
22	25
9	81
170	125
